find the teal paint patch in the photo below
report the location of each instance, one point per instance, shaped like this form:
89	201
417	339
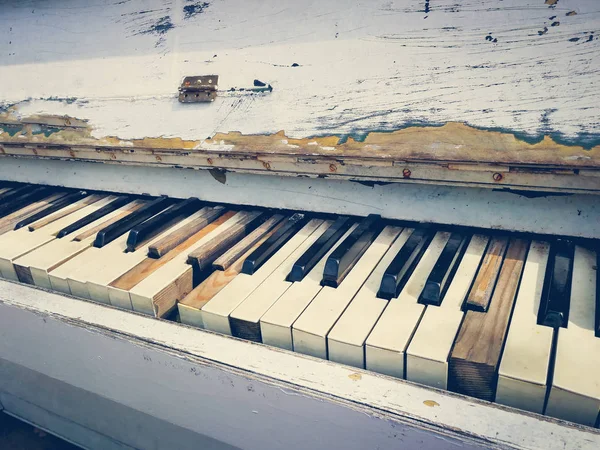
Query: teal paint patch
586	140
47	131
12	130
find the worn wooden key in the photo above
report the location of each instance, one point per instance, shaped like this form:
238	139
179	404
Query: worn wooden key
190	306
203	257
481	293
474	361
232	255
164	246
152	227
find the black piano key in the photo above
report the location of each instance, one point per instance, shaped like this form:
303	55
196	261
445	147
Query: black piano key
402	266
316	251
152	227
441	276
554	306
259	256
113	231
347	254
51	208
92	217
15	192
7	193
27	197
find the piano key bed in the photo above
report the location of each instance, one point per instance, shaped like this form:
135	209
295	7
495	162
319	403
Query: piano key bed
510	318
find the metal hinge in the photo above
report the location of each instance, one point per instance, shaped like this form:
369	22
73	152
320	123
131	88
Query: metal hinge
198	89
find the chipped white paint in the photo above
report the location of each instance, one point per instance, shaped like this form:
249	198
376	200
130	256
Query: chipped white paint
336	66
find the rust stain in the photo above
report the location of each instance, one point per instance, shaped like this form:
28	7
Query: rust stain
551	2
431	403
355	376
453	142
572	13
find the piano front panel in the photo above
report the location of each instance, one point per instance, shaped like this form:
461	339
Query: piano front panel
499	316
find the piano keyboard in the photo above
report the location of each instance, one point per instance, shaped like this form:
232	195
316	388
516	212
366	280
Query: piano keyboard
508	318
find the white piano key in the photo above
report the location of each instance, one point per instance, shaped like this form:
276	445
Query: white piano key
81	263
575	391
51	255
389	339
346	340
114	267
310	330
524	365
429	349
248	313
83	271
20	242
152	296
276	324
215	314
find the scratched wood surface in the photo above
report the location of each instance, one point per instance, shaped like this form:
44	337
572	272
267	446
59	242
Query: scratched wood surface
513	79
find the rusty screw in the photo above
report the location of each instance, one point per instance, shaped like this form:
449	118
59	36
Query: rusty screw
406	173
498	176
332	168
266	165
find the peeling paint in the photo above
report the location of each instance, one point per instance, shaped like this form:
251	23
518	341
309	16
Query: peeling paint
193	8
452	142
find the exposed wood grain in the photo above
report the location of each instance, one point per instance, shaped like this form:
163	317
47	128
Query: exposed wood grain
203	257
162	247
481	292
149	265
473	363
76	206
166	299
233	254
126	210
216	281
8	222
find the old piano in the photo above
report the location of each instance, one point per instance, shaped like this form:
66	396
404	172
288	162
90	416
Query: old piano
280	224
